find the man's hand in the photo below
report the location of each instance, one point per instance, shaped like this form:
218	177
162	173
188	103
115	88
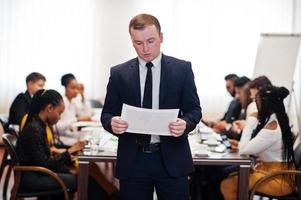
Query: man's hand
220	126
177	128
118	125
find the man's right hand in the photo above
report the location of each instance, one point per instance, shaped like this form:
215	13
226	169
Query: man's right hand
118	125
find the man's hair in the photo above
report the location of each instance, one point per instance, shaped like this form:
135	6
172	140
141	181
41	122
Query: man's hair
240	82
35	76
139	22
259	82
231	77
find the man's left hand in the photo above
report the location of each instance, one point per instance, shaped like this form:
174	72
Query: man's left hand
177	128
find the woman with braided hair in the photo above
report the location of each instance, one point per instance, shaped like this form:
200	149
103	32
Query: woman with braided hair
33	148
267	136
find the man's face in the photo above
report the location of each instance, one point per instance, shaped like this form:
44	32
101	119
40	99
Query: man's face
230	87
34	86
147	42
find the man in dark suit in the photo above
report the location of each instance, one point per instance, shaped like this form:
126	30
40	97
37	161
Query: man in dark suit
153	81
234	108
21	104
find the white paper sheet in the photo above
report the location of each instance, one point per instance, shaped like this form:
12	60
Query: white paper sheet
86	124
148	121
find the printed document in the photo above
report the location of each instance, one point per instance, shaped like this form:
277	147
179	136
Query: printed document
148	121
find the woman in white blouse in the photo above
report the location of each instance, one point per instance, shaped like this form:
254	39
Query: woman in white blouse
76	109
267	136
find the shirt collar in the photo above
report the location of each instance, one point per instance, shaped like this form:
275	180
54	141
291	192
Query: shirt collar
155	62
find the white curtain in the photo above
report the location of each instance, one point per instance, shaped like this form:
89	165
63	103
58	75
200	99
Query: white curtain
87	37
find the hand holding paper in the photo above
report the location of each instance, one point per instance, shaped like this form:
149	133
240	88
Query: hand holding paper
177	128
151	121
118	125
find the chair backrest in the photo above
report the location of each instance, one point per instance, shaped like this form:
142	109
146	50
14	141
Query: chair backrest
95	103
297	154
4	125
2	131
14	129
10	142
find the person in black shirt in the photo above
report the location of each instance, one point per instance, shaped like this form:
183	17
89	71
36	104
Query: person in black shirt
33	148
20	106
235	107
233	110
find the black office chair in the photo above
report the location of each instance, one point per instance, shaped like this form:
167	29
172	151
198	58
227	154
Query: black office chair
296	194
4	125
14	129
95	103
6	160
3	130
18	191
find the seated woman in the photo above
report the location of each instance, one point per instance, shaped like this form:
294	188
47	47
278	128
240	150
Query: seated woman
33	149
76	109
49	135
271	141
253	87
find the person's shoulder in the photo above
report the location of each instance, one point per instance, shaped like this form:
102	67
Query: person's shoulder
125	65
32	126
172	59
24	97
20	98
176	63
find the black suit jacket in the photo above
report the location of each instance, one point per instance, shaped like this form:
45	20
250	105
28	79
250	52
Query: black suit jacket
19	108
33	148
233	112
177	90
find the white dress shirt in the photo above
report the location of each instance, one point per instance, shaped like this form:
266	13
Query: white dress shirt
252	108
267	144
73	109
156	74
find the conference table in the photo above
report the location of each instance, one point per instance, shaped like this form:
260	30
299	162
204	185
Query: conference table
107	154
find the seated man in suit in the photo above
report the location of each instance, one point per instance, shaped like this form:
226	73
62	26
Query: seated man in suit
243	97
154	81
20	106
233	110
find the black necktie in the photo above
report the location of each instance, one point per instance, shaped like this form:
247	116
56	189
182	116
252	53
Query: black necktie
148	87
147	100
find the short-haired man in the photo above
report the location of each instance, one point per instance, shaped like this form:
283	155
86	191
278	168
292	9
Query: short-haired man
233	110
153	81
21	104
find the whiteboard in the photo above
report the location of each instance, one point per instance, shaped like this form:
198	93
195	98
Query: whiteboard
276	58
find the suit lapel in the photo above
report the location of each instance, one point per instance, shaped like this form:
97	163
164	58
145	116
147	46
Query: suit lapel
163	80
135	80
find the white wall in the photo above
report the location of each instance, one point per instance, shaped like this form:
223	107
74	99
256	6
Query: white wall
297	83
87	37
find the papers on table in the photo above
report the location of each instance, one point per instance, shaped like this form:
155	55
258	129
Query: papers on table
86	124
148	121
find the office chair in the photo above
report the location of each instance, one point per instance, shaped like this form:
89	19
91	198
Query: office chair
95	103
296	194
18	191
